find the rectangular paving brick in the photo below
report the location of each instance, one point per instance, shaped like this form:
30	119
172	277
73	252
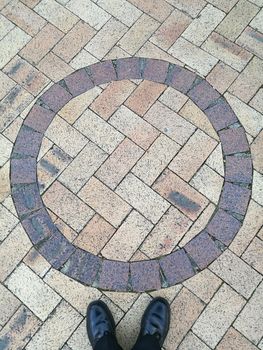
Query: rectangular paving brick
8	222
159	10
138	34
18	38
173	99
66	137
98	131
76	294
139	270
238	169
180	194
12	250
111	98
119	163
221	77
218	315
169	122
153	162
87	10
191	7
104	201
134	127
49	10
50	166
230	194
144	96
24	17
236	273
204	285
123	10
249	81
208	182
203	25
251	40
203	95
67	206
106	38
54	67
6	26
95	235
185	309
16	334
57	328
26	75
33	292
196	150
227	51
233	339
250	316
9	304
74	41
233	141
114	275
199	60
121	246
83	167
166	234
142	198
171	29
6	84
237	19
40	45
36	262
253	255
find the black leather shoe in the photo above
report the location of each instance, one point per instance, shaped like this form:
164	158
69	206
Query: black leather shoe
100	322
156	320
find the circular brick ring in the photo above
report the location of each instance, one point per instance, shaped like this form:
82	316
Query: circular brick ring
143	275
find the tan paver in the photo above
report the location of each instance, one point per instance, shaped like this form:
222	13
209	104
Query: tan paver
155	160
131	125
73	41
237	19
116	167
40	45
191	341
138	34
12	250
16	334
8	303
254	255
123	10
24	17
185	309
56	14
166	234
171	29
142	198
127	238
180	194
256	101
106	38
257	155
54	67
158	9
191	7
238	274
87	10
95	235
98	131
83	167
169	122
56	330
204	285
249	321
203	25
144	96
173	99
192	155
67	206
74	293
233	340
37	262
222	76
33	292
112	97
104	201
193	56
218	315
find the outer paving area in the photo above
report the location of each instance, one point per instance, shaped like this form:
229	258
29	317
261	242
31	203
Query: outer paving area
131	170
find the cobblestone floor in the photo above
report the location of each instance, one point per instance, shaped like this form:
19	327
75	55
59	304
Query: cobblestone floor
142	169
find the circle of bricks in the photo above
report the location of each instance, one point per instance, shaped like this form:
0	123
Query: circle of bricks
146	275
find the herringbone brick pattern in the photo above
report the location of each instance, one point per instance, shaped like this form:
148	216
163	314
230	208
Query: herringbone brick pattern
111	157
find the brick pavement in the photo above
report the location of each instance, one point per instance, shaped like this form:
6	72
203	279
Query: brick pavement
131	170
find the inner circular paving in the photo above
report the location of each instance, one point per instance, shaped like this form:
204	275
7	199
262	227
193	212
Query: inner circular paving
130	174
